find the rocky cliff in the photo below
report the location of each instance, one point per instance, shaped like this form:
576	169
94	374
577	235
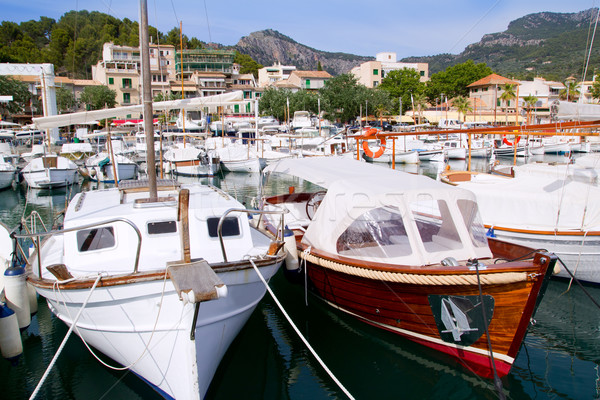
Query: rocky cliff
269	46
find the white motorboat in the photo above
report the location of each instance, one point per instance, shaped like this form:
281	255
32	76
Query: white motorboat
175	278
7	173
190	161
100	168
49	171
541	210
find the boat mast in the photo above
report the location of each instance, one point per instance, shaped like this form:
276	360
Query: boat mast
147	98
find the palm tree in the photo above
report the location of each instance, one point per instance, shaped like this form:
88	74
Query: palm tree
508	93
570	92
420	101
530	102
462	105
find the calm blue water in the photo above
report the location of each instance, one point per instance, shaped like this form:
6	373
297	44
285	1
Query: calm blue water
559	359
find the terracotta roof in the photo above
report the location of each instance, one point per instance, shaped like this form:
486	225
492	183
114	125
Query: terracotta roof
285	84
313	74
493	79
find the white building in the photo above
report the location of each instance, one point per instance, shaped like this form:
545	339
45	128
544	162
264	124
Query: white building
268	76
371	73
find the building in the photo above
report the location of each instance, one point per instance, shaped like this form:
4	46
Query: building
545	91
203	60
371	73
485	95
309	80
268	76
162	68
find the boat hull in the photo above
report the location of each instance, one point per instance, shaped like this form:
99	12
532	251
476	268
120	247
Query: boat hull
580	253
105	173
120	322
49	178
407	157
249	165
408	309
193	168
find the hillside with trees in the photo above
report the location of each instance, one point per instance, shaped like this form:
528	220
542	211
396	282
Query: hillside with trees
552	45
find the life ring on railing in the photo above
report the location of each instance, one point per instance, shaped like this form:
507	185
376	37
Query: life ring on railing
365	145
506	142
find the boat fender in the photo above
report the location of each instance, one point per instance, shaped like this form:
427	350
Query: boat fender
367	149
15	291
506	142
33	300
190	296
291	258
10	337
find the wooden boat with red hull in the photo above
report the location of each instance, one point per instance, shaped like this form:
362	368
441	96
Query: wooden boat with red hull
413	260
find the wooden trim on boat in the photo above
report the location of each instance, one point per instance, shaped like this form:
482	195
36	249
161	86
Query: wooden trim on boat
435	269
146	276
540	232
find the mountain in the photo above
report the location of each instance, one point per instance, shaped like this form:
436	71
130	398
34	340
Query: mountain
546	44
269	46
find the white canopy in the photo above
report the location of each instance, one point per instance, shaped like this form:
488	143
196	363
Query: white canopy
363	199
85	117
567	111
536	202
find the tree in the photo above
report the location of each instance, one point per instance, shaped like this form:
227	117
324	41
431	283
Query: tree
454	80
65	100
319	66
595	88
508	94
247	64
530	102
342	97
420	102
401	83
273	102
18	90
98	97
462	105
570	92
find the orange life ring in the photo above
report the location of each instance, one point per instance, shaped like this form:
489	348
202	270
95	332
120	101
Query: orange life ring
505	141
367	150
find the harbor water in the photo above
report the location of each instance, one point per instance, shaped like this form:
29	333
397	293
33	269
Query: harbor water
560	356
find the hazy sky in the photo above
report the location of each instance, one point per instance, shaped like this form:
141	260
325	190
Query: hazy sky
409	28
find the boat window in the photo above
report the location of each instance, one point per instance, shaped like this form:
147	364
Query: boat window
230	227
472	219
155	228
435	224
95	239
379	232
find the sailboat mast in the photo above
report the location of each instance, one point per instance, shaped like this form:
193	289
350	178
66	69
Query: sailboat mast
147	98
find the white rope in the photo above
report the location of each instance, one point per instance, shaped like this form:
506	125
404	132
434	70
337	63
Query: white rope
64	342
147	345
314	353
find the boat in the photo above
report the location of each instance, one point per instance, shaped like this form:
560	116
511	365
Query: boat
541	209
190	161
7	173
301	120
77	151
175	278
49	171
159	277
100	168
405	253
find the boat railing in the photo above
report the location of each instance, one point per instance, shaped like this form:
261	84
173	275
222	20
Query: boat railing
280	228
36	236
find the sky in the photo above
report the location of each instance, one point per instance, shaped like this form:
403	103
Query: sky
408	28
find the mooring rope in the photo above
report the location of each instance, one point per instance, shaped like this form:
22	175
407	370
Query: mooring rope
313	352
416	279
64	342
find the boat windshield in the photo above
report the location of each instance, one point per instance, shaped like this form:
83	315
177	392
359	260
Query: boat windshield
472	219
379	232
435	224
